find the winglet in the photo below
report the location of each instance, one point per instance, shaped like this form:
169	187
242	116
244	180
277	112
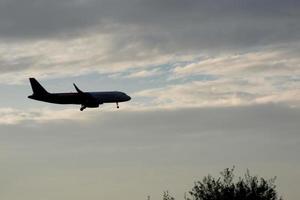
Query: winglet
77	89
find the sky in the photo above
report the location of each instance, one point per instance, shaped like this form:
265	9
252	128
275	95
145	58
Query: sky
214	84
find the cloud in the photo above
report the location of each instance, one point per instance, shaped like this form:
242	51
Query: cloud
255	60
239	79
264	76
187	118
12	116
73	38
273	61
102	149
223	92
144	73
44	115
75	57
167	25
209	118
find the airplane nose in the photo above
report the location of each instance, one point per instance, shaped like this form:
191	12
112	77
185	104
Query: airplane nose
128	98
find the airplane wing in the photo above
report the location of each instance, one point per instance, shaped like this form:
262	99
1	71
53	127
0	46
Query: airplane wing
89	98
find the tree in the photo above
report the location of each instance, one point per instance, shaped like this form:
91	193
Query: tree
224	188
167	196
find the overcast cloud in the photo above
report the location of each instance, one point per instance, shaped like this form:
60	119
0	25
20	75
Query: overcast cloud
111	154
168	24
213	84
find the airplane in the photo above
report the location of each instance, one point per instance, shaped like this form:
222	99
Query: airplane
85	99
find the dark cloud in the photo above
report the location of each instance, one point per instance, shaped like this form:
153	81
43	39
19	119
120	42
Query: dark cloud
167	25
17	64
252	137
31	19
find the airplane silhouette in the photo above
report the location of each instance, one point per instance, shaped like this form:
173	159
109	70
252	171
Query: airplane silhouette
85	99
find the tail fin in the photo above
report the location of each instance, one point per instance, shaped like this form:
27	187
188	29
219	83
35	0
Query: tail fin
36	87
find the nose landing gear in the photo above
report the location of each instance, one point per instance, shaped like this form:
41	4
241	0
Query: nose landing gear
118	105
82	107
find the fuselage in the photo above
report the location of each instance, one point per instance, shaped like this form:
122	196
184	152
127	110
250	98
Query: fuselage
89	98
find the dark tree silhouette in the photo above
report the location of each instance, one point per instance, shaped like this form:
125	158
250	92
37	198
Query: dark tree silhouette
225	188
167	196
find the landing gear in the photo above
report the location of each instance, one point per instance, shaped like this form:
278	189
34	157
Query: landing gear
82	107
117	104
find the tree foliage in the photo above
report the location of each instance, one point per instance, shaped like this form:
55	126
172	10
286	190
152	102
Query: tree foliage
167	196
226	188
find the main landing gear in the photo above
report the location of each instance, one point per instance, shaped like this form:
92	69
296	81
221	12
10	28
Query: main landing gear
82	107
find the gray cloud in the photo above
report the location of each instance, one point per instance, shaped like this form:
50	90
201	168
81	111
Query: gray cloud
109	36
170	24
31	18
256	137
112	35
178	136
260	119
17	64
